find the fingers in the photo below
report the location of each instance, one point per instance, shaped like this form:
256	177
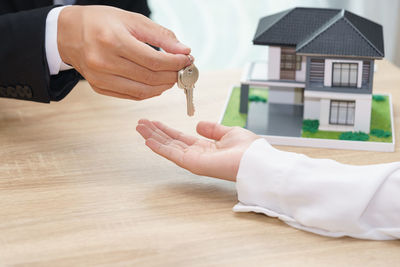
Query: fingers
113	94
122	86
144	55
148	130
148	133
155	34
212	130
122	67
174	134
171	153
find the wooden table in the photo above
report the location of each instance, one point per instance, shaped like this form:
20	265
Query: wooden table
78	187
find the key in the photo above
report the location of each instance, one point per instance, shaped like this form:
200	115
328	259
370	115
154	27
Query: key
187	78
189	102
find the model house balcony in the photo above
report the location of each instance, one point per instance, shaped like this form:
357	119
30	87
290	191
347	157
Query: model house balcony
262	74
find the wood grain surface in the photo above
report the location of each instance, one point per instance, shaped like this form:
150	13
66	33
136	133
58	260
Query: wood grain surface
79	188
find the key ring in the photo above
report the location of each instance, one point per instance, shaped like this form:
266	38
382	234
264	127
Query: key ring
191	59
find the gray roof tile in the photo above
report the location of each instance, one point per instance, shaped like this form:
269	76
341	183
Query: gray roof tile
322	31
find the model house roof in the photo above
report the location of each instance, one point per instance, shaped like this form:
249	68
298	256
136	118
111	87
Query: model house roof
323	32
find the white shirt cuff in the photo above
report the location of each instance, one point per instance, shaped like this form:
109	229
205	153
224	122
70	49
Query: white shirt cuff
54	60
320	195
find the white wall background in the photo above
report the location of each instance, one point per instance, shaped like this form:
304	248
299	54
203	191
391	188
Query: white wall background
220	32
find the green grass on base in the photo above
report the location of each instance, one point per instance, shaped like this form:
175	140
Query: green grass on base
322	135
232	116
380	119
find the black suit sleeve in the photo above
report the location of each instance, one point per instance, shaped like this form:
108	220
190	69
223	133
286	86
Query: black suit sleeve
24	73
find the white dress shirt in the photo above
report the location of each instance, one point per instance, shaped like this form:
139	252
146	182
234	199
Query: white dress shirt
320	195
52	54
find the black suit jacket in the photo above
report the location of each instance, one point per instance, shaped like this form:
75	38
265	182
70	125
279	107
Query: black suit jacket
24	73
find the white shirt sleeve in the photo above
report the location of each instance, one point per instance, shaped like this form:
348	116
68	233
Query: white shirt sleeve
320	195
52	54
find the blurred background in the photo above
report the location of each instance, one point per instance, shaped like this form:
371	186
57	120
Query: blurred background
220	32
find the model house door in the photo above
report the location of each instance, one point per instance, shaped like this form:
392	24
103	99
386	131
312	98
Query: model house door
299	95
288	63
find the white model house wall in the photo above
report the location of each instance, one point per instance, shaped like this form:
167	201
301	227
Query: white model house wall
312	106
274	62
363	113
301	74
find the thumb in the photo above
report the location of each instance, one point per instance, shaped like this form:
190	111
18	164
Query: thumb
212	130
152	33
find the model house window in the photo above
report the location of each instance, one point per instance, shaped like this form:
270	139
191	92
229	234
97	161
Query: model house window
345	74
342	112
289	60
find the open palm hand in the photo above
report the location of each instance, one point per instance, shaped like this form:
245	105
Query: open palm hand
218	157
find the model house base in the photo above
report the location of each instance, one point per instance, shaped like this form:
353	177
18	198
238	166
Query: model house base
281	124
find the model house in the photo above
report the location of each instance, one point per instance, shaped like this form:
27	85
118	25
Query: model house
322	60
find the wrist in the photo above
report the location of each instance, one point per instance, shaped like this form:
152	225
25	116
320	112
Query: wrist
242	151
67	33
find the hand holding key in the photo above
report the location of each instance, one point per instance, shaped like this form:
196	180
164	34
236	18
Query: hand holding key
187	78
114	56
